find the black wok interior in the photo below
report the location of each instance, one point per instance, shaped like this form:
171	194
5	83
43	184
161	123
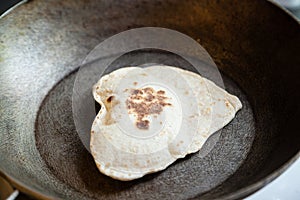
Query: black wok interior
254	43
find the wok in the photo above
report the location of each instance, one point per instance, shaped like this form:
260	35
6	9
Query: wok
255	44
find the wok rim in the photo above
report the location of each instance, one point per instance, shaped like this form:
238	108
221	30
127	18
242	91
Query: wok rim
238	194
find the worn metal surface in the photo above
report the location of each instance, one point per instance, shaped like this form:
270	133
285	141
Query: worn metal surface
41	42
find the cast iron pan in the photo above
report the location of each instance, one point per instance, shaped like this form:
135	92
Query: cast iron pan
254	43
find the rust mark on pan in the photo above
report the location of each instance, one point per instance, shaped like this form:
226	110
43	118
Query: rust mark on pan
144	102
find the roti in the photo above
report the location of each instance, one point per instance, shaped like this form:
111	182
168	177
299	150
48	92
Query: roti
152	116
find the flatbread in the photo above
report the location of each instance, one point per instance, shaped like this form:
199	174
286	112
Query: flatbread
152	116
